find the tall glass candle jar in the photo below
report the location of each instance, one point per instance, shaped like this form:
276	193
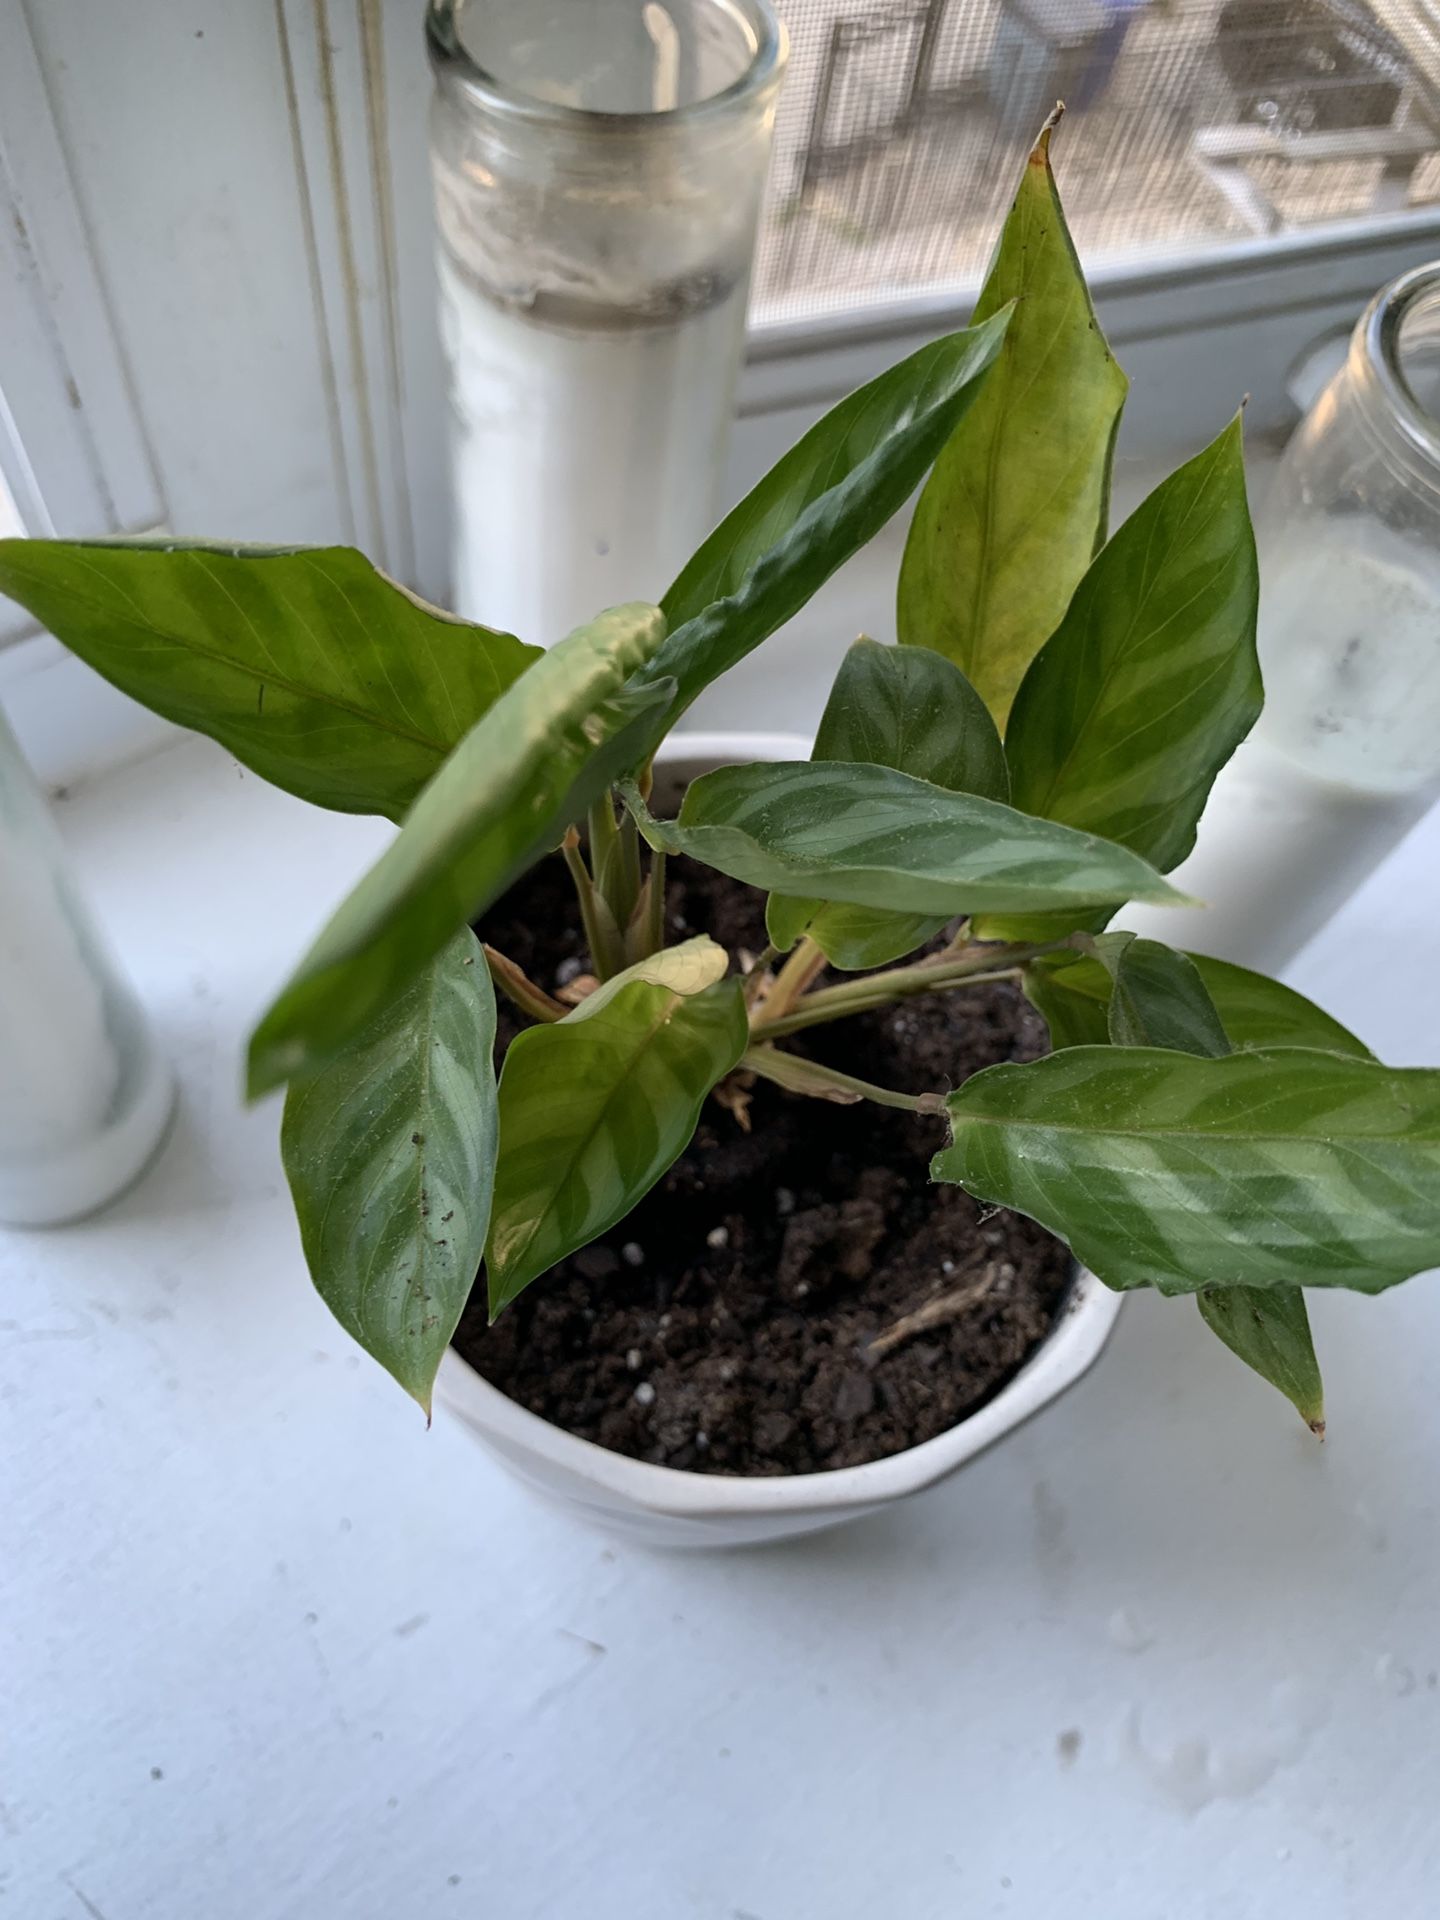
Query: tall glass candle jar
84	1096
598	169
1346	757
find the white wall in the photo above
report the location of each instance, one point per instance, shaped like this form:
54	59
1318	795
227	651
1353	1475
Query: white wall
244	189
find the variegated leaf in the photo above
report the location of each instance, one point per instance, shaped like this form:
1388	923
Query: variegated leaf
1269	1330
1151	681
1159	999
1071	991
910	709
819	504
307	664
1259	1012
1018	500
877	838
596	1107
544	751
390	1154
1277	1167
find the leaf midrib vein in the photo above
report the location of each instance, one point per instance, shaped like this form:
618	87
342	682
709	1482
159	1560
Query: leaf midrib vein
1189	1137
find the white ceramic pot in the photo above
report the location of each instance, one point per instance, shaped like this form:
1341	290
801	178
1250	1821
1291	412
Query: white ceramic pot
661	1506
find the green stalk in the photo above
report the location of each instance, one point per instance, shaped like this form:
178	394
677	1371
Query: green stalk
793	979
614	859
655	904
603	833
820	1082
520	989
900	983
602	936
646	932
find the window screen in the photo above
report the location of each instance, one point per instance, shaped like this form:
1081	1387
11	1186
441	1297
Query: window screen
1190	123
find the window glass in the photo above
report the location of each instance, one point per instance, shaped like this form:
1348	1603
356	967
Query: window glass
1190	123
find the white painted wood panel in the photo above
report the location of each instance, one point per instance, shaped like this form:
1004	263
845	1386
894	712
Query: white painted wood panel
72	448
175	124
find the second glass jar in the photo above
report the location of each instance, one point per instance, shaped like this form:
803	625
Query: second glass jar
1346	756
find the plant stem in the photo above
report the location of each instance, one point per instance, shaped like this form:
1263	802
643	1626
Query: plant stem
520	989
755	974
899	983
793	979
820	1082
646	932
602	936
625	893
614	859
603	834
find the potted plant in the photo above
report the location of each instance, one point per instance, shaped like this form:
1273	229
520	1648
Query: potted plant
748	931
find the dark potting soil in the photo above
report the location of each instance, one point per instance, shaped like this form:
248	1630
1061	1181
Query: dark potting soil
722	1327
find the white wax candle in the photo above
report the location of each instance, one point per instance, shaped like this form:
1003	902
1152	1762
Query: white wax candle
1342	764
59	1067
84	1097
586	458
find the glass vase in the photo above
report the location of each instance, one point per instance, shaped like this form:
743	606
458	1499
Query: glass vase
598	169
1346	757
84	1095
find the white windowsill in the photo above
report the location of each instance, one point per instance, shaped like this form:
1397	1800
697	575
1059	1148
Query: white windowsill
287	1653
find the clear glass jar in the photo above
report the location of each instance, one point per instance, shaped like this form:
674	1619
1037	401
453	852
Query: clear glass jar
84	1095
598	170
1346	757
1351	607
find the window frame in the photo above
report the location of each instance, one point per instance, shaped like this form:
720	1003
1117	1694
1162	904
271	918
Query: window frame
1282	292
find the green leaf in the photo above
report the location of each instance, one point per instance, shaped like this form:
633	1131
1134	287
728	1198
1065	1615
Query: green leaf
829	495
1071	992
544	751
909	709
305	663
1277	1167
877	838
596	1107
1259	1012
1159	998
851	938
1151	681
789	915
1270	1331
1018	500
390	1154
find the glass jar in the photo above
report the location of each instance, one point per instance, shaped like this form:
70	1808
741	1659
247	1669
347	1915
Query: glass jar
1346	757
598	170
84	1096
